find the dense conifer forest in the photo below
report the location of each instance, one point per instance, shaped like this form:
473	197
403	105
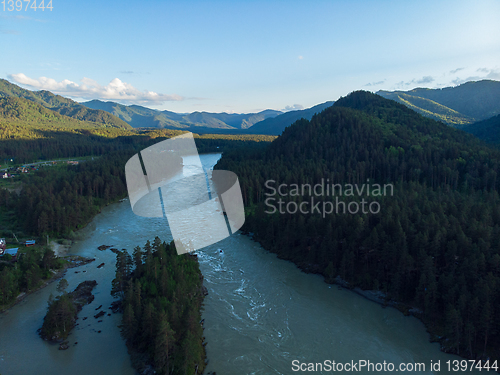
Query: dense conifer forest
434	245
162	295
33	267
487	130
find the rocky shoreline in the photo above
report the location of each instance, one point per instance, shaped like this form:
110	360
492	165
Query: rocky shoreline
73	262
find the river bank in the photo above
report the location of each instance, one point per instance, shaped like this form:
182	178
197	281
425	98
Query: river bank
435	330
61	249
97	338
72	261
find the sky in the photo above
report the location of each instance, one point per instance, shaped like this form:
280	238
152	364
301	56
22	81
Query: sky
245	56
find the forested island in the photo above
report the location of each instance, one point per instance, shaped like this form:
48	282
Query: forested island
161	295
63	310
433	247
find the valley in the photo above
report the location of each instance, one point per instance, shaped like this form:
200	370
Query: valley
431	249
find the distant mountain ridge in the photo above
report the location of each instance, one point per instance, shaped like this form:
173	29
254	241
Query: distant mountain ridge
456	106
141	117
276	125
61	105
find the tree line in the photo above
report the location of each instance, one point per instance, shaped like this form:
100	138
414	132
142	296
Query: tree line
58	201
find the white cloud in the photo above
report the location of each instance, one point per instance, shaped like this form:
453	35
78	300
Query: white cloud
426	79
11	32
414	81
375	83
295	107
21	18
89	89
493	74
301	57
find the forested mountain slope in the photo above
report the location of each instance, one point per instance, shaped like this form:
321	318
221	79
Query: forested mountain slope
61	105
487	130
434	242
457	106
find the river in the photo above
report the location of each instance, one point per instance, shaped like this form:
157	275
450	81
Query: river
261	312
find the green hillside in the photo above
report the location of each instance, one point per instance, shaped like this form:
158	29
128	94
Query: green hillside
436	111
19	118
61	105
29	131
16	109
456	106
429	240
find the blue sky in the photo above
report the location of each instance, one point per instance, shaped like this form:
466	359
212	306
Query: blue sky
246	56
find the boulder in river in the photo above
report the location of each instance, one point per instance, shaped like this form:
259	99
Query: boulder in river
64	345
116	306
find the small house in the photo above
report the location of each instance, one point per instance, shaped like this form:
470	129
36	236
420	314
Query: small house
3	245
12	252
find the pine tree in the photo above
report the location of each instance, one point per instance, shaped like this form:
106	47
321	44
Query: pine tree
164	345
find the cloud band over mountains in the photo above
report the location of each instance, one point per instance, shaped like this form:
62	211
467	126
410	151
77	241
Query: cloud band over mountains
116	90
